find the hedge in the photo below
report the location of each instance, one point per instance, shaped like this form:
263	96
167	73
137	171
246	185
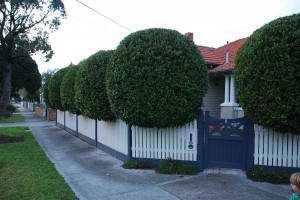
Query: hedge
46	92
67	90
157	78
54	89
267	75
90	91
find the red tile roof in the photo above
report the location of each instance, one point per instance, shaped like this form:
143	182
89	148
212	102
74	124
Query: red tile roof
217	56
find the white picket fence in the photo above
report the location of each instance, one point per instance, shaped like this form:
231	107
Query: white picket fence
276	149
179	143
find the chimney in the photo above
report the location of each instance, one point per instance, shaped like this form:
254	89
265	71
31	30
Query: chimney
190	35
227	57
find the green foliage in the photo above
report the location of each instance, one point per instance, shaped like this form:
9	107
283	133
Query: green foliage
137	164
157	78
46	92
54	89
170	166
267	75
67	90
11	108
25	73
271	176
25	25
48	74
90	91
30	34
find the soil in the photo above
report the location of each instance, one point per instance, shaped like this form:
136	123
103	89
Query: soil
10	139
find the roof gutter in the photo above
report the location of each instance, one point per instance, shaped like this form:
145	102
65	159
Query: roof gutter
212	63
221	72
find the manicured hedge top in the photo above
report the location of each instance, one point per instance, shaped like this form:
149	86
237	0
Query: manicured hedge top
54	89
91	97
267	75
67	90
157	78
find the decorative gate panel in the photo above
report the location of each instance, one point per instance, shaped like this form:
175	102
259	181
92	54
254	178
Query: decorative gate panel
225	144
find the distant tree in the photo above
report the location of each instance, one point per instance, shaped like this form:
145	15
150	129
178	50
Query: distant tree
24	24
25	74
48	74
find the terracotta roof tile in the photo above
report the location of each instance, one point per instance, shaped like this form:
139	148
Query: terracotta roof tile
217	56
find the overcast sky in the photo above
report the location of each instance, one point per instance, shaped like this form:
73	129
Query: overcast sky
213	22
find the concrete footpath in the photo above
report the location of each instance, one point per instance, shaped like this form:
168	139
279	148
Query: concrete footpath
94	174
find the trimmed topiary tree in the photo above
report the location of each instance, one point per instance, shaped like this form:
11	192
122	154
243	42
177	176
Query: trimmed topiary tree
267	75
67	90
90	91
54	89
157	78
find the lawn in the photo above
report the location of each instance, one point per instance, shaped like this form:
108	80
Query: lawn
13	119
26	172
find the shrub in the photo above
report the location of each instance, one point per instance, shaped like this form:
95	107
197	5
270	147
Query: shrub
90	91
271	176
67	90
157	78
170	166
267	75
54	89
11	108
137	164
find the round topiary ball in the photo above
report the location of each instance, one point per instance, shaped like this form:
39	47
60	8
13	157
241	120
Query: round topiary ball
67	90
90	91
54	89
267	75
157	78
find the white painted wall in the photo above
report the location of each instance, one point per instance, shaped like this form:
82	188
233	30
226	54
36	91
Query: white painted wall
60	117
113	135
86	126
71	120
214	96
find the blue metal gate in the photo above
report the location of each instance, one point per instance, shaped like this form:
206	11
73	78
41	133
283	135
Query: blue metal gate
228	143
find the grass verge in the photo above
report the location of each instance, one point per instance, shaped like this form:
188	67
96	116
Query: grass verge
15	118
26	172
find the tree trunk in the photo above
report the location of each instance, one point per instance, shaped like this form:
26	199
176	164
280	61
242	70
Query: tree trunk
6	89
